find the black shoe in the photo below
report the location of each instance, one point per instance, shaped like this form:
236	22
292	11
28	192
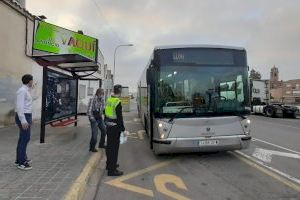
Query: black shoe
115	173
93	150
24	166
102	146
116	166
28	161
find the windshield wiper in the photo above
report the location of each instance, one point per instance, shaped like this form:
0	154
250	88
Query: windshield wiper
176	114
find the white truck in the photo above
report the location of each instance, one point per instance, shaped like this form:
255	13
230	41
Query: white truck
260	101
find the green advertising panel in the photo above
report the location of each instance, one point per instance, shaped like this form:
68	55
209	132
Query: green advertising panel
53	39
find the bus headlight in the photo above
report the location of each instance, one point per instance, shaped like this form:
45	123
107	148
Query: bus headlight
163	129
246	126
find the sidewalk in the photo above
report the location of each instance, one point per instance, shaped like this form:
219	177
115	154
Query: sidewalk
56	164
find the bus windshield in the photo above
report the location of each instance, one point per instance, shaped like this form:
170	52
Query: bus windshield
207	90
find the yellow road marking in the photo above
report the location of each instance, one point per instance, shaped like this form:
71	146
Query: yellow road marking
134	137
137	119
141	134
266	171
118	182
161	180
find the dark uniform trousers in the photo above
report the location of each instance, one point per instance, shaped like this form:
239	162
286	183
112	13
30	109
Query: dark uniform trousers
112	148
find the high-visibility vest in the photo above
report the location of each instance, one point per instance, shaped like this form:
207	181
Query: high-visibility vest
110	108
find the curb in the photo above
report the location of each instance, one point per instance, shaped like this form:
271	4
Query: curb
78	187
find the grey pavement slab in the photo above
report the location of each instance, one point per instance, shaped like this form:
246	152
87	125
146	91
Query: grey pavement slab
56	164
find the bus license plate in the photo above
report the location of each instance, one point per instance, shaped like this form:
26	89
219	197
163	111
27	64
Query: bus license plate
208	142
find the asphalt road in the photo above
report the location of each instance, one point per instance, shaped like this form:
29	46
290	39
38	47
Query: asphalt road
269	169
276	143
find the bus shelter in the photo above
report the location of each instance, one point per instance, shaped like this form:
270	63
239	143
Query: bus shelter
75	57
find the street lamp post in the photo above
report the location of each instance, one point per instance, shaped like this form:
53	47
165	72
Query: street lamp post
122	45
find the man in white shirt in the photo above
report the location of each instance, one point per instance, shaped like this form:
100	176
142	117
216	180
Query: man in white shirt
24	120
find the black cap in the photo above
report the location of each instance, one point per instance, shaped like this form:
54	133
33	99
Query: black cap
27	78
117	89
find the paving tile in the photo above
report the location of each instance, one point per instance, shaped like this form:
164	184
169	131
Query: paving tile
43	180
50	186
56	180
55	165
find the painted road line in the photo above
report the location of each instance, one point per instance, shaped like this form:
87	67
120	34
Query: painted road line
275	145
161	182
138	135
282	177
266	155
131	122
141	134
133	137
129	133
119	182
137	120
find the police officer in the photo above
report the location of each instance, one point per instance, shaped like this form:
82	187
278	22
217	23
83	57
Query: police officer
114	125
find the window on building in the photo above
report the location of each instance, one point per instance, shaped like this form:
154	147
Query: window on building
288	92
288	85
296	92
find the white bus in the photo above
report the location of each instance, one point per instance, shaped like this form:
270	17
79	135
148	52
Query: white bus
195	99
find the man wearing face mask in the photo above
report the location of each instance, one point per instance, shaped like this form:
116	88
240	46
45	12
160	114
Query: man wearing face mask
95	109
23	119
115	125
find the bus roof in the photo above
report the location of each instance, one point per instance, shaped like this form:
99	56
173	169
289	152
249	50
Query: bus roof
198	46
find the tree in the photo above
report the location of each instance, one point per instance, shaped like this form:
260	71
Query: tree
255	75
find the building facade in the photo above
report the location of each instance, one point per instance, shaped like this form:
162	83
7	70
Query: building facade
287	92
15	61
107	82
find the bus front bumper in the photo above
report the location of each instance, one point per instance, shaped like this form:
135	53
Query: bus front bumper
201	144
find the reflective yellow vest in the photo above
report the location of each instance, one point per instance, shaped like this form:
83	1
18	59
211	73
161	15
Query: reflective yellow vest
110	108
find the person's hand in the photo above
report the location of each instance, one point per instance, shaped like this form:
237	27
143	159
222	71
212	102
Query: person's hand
25	126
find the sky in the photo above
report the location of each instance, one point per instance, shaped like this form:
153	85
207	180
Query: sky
269	30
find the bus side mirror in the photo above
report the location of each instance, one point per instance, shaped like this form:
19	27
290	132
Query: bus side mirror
150	75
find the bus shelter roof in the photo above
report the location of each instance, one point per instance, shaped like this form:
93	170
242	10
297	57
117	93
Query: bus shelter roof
68	62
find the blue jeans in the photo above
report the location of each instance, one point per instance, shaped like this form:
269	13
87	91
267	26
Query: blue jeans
95	124
24	137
